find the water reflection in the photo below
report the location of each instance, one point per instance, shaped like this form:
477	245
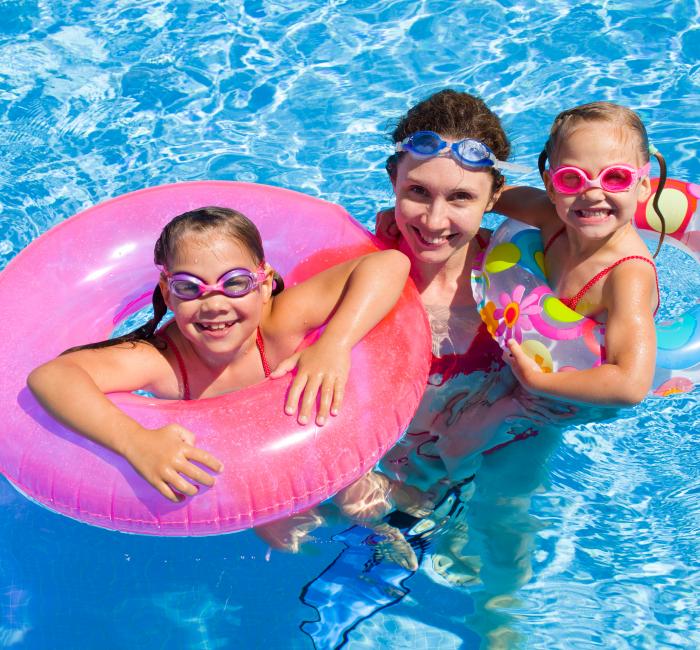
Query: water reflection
476	546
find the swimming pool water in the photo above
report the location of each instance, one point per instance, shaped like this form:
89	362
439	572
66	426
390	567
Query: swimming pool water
583	539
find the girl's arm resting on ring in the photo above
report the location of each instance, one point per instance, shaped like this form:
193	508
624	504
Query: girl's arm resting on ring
72	389
351	298
369	293
630	344
527	204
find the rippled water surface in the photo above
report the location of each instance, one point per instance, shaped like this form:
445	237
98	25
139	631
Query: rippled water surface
584	539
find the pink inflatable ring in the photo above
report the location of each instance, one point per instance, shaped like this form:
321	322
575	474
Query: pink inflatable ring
92	271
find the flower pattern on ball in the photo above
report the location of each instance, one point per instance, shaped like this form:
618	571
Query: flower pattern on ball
514	313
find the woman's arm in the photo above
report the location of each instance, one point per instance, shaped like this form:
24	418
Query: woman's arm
352	298
630	346
72	389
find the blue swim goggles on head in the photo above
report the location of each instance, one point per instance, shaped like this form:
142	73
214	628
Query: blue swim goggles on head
468	152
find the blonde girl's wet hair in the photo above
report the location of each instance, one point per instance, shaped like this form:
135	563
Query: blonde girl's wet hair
621	116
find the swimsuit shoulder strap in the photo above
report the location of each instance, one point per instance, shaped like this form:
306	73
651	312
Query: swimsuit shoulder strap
180	364
183	370
573	302
552	239
261	348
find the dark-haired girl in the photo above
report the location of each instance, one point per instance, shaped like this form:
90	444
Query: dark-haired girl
232	324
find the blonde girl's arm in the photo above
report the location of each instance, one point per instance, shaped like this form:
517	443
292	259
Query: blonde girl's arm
352	298
527	204
630	342
72	389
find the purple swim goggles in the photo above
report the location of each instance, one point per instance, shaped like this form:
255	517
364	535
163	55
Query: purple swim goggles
235	283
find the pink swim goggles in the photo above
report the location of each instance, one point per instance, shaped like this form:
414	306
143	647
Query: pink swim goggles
235	283
615	178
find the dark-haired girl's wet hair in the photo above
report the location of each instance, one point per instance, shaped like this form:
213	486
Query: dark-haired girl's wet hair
226	223
614	114
455	115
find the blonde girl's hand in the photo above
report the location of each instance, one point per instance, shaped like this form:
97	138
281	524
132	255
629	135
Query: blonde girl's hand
525	369
322	370
164	456
386	229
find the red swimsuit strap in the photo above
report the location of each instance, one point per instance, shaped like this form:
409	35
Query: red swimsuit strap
183	370
261	348
573	301
180	364
552	239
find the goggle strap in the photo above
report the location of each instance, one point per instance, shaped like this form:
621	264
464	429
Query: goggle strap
513	167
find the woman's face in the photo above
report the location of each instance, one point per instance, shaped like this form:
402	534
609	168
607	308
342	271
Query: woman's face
439	206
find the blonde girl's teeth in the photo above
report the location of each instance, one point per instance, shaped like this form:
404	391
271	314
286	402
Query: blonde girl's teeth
214	326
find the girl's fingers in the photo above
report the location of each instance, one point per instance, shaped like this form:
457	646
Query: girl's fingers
204	458
338	395
294	393
165	490
184	434
173	479
515	351
197	474
285	366
324	406
179	483
308	399
521	363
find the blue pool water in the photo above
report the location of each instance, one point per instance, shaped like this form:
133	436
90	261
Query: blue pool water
585	539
